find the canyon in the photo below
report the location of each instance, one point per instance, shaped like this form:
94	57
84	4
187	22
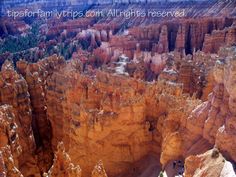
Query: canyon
139	97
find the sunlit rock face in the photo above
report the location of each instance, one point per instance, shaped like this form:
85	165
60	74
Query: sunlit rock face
117	115
9	150
62	165
225	134
115	119
14	91
213	164
209	124
99	170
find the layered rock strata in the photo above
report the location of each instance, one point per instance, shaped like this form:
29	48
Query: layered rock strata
211	163
210	123
14	91
62	165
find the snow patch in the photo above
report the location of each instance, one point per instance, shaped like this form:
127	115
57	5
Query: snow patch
121	64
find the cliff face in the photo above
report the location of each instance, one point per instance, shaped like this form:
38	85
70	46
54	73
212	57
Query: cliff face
62	165
119	120
213	162
10	148
94	112
95	115
186	35
218	39
211	123
225	134
14	91
90	111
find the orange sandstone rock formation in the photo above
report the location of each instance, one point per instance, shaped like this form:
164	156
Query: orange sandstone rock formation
62	165
211	163
114	118
10	148
8	165
99	170
14	91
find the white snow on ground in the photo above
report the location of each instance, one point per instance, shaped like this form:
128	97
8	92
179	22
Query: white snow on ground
228	170
121	64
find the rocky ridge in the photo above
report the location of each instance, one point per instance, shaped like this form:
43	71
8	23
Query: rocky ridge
90	109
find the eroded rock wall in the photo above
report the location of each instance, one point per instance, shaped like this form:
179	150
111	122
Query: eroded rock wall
210	123
14	91
113	118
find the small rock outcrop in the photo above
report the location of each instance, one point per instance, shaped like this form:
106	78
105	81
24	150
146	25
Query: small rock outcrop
99	170
62	165
209	164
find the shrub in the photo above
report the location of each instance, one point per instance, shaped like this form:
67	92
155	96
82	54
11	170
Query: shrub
215	153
